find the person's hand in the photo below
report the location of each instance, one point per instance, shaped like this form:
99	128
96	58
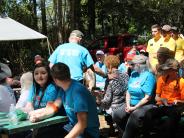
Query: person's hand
164	101
129	109
33	118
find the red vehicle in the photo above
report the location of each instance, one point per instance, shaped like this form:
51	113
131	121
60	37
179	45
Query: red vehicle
116	44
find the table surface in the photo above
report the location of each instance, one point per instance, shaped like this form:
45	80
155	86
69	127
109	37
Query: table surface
8	128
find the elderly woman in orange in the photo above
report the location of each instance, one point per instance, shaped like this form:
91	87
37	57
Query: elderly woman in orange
169	93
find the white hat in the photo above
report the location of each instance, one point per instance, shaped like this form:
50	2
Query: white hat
4	71
99	52
166	28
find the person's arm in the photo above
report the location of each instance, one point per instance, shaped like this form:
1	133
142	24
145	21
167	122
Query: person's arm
28	107
80	126
51	64
161	100
98	71
46	112
159	88
107	100
143	101
127	100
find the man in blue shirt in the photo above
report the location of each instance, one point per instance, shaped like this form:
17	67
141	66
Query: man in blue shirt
79	105
100	81
74	55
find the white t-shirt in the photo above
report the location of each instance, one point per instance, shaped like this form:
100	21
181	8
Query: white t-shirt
23	98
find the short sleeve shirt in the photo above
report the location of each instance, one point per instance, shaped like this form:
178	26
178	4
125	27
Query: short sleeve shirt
169	89
50	94
139	85
73	55
78	99
179	49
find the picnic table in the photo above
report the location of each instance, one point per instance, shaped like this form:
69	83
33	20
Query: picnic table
7	128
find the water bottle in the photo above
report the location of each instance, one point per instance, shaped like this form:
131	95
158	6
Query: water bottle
12	115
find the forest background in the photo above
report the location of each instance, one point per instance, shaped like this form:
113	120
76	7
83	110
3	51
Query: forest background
95	18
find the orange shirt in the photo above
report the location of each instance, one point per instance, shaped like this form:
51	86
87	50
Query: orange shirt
170	89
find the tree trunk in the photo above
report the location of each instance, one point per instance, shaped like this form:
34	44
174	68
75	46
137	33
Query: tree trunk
44	20
35	21
60	24
91	15
75	9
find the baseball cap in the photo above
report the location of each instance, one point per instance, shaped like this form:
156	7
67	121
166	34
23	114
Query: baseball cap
99	52
76	33
166	28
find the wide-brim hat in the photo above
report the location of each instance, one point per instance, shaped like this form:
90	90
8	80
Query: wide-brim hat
4	71
170	64
165	51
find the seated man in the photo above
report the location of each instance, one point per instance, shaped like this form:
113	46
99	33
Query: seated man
79	105
169	93
100	80
7	96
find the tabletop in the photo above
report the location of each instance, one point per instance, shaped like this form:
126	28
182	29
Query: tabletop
8	128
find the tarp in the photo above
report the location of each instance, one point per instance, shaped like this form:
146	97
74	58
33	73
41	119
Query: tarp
11	30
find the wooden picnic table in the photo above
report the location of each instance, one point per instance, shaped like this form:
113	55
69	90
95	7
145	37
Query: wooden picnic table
7	128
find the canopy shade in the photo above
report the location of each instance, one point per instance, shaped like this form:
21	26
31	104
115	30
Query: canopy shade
11	30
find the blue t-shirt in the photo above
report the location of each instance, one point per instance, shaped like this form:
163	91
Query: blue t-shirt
139	85
73	55
122	67
50	94
78	99
100	79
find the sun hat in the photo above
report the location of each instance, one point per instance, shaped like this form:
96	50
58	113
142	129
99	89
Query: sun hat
170	64
4	71
166	51
139	59
166	28
76	33
99	52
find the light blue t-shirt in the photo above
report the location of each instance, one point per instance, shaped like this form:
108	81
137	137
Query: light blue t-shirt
73	55
139	85
78	99
122	68
50	94
100	79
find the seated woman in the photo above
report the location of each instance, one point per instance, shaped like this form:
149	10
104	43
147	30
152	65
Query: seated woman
79	104
169	95
114	97
140	89
7	96
43	89
26	81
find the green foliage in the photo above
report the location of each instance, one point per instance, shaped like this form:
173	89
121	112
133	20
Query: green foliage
111	17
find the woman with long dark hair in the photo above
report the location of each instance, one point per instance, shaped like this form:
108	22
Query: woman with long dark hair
43	89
